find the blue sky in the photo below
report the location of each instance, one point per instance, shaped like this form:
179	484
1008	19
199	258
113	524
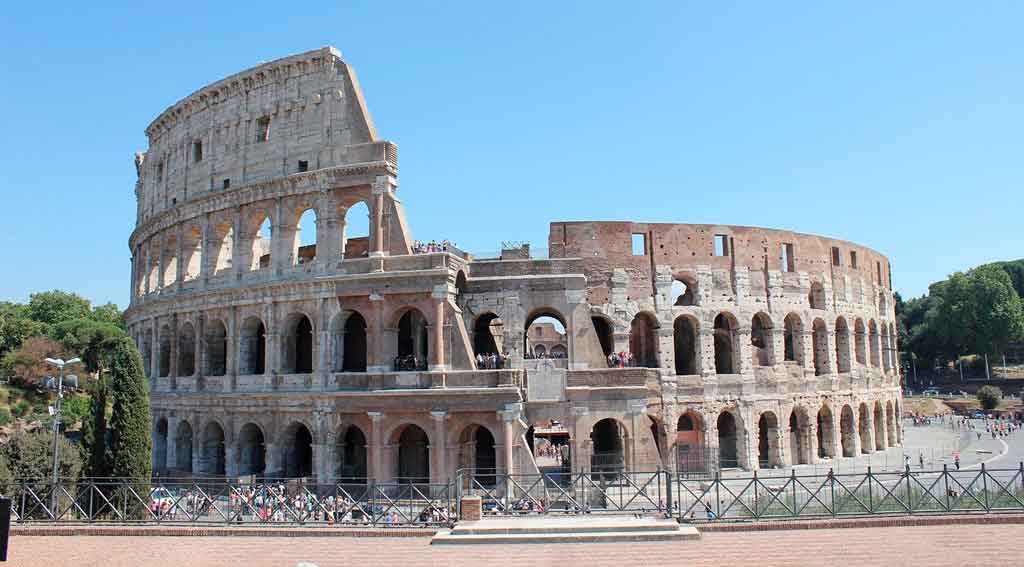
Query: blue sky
895	126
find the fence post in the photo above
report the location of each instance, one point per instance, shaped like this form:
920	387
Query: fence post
718	497
984	487
793	482
910	495
871	504
757	509
945	476
832	483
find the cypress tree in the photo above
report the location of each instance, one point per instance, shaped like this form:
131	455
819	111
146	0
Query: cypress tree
130	423
95	453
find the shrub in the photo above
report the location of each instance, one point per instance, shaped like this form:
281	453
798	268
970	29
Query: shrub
5	416
989	397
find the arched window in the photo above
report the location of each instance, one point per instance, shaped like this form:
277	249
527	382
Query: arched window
252	450
488	334
761	344
413	463
351	456
546	328
816	298
170	267
298	345
412	341
253	347
684	291
859	337
216	348
165	352
223	249
348	340
642	340
213	457
355	233
684	331
725	331
262	245
819	344
297	453
183	447
186	350
192	263
842	345
873	343
728	453
304	244
794	339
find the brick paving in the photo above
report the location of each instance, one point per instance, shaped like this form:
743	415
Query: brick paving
987	545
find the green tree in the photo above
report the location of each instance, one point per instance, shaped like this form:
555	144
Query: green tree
30	456
16	326
26	367
989	396
93	341
130	441
94	447
108	313
53	307
987	311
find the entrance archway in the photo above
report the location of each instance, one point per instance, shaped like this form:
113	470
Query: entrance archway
799	449
488	334
642	340
847	433
351	456
769	453
348	342
160	445
725	331
413	455
214	461
684	332
297	459
253	347
864	428
252	450
728	454
183	447
826	433
608	439
477	454
298	345
412	341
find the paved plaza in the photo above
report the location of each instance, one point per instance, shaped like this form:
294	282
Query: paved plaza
931	545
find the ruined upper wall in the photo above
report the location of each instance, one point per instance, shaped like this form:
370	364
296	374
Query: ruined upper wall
298	113
687	249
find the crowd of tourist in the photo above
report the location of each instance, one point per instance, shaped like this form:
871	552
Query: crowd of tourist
491	360
545	355
622	359
432	246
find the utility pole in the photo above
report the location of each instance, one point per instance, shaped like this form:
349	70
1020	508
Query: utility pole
56	430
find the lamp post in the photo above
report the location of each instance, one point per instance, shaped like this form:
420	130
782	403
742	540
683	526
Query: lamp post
59	363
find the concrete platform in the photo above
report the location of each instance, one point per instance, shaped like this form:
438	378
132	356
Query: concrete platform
564	529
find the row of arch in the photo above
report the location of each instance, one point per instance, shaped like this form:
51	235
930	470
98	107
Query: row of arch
863	428
347	344
164	261
684	293
295	448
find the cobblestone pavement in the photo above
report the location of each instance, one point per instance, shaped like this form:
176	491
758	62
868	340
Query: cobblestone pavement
931	545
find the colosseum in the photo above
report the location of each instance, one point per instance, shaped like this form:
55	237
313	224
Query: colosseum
279	342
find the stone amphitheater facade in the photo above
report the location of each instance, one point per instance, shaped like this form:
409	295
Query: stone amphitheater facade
355	357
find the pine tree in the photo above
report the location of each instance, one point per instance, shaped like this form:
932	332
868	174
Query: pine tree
94	450
130	423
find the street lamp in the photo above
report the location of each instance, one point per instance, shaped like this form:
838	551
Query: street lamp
56	428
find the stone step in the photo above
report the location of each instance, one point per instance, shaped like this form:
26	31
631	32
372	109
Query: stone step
681	533
565	529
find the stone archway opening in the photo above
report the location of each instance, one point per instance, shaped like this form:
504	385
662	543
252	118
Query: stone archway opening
842	345
608	440
253	346
879	423
819	346
603	328
186	350
160	445
478	456
890	423
799	438
252	450
413	463
762	349
183	447
793	340
304	244
684	338
488	334
351	456
298	345
355	231
769	453
725	332
863	428
164	362
847	432
216	348
348	342
297	461
643	342
728	441
691	452
544	328
859	336
213	460
684	291
412	341
826	434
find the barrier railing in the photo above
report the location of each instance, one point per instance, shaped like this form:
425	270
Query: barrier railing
604	491
213	501
833	495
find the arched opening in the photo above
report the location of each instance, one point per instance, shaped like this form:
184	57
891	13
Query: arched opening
351	455
298	345
684	291
304	245
355	232
794	339
192	247
147	352
297	459
412	341
899	418
819	346
460	289
769	453
890	424
223	248
559	351
691	454
642	340
728	454
847	433
253	347
826	434
477	454
170	262
864	429
859	338
213	450
684	339
842	345
216	348
603	328
879	422
183	447
798	438
725	331
544	328
413	455
608	439
165	352
894	362
261	245
873	343
348	342
762	349
816	298
550	443
252	450
186	350
488	335
885	348
160	445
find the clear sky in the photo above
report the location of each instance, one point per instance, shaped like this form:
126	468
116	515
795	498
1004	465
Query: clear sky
896	125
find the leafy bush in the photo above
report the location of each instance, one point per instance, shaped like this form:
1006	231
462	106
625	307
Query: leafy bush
74	409
989	397
5	416
21	409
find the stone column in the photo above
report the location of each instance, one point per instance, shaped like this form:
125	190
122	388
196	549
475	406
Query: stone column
581	444
377	472
206	266
376	359
179	268
380	187
741	346
279	252
199	354
172	442
806	347
706	352
154	351
323	454
437	354
198	451
174	353
236	246
439	445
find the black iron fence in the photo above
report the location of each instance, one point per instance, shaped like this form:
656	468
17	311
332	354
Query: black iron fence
906	492
219	501
608	490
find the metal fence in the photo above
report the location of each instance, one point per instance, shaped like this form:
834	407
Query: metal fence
833	495
218	501
602	491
